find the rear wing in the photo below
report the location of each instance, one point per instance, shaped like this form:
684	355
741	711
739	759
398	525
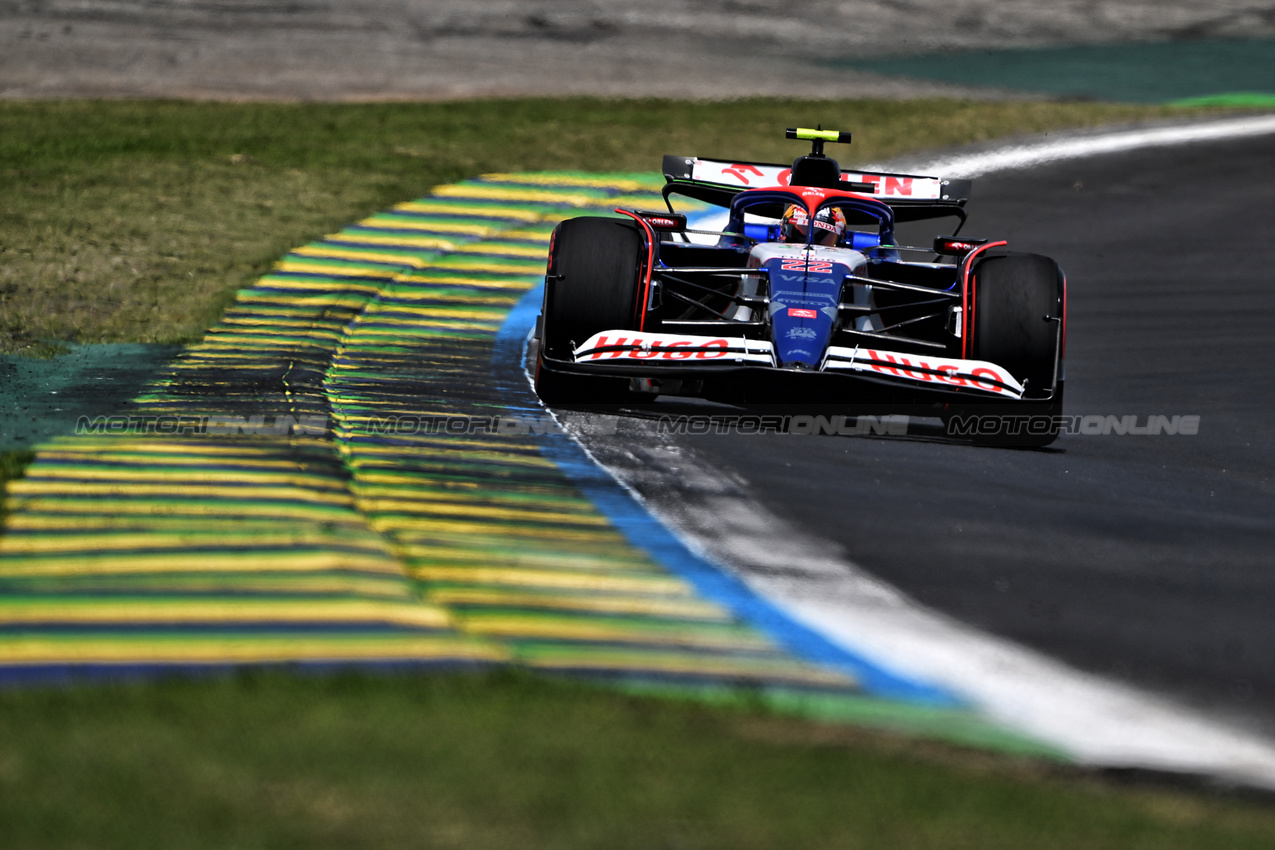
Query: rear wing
913	197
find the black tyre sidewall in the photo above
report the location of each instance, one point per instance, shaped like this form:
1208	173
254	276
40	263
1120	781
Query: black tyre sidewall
593	282
1013	295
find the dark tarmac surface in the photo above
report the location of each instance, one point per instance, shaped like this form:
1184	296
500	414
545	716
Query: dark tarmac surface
1145	558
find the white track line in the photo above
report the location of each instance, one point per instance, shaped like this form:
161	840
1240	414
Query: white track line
1038	153
1096	721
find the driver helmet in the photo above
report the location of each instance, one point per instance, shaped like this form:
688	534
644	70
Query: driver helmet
830	225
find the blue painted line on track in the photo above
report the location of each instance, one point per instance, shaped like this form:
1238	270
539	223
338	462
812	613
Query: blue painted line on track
631	518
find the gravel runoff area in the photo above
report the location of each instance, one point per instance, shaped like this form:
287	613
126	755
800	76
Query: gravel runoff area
443	49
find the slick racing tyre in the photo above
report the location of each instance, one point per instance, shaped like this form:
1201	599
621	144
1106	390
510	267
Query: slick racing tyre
1017	324
593	284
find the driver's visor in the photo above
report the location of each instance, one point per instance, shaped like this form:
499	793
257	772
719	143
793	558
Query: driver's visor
796	227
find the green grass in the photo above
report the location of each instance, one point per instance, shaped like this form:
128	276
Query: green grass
137	221
13	464
268	760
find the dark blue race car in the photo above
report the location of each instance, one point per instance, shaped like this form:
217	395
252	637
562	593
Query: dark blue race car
800	294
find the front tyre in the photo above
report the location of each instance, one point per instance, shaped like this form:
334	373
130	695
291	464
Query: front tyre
593	283
1018	303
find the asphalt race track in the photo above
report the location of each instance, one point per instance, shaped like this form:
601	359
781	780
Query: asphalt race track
1144	558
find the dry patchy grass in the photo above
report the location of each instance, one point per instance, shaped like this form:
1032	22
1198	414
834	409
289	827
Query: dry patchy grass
137	221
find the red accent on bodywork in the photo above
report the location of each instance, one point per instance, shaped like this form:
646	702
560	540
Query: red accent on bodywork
967	298
898	185
553	237
640	307
738	170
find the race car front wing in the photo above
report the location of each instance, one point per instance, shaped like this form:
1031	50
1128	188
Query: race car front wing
633	353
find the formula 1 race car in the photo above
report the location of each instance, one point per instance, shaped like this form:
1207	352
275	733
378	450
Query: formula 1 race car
798	295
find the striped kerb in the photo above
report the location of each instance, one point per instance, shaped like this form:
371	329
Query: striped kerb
340	479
